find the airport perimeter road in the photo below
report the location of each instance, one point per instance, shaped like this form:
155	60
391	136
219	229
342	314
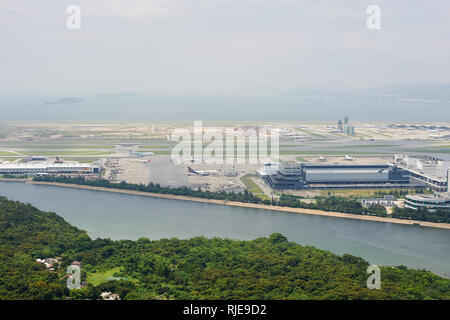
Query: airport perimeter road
164	172
264	187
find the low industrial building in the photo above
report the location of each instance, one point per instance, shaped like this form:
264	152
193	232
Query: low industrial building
386	201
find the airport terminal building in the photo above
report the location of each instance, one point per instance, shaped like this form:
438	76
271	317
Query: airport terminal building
39	168
432	172
312	175
427	201
350	174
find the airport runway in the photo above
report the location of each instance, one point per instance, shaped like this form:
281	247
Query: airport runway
350	146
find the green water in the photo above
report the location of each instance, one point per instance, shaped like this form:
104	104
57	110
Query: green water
122	216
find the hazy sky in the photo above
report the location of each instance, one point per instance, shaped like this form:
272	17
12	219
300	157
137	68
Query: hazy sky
231	47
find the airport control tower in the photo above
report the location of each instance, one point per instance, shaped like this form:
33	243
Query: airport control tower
347	128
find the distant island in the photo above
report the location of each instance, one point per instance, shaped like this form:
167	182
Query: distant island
117	95
65	100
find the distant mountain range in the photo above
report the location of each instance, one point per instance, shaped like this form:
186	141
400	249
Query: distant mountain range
404	92
72	100
424	92
420	90
414	102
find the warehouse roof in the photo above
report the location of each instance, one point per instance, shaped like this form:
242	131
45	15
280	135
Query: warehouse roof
44	165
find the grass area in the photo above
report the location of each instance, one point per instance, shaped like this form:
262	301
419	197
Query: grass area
290	145
301	159
7	153
359	193
362	135
225	151
343	135
57	147
71	153
154	147
378	133
253	187
224	146
328	152
99	277
364	146
441	146
10	159
313	134
161	152
350	192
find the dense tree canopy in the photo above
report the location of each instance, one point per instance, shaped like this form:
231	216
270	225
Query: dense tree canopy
197	268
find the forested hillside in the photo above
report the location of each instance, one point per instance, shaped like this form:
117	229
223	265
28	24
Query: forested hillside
198	268
25	234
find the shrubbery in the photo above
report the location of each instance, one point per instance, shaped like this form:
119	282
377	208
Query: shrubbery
198	268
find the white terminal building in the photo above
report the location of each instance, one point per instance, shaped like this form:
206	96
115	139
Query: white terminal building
430	171
436	174
39	168
430	201
427	201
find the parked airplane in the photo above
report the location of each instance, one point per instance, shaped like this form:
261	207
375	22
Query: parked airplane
141	154
296	137
58	160
348	158
191	171
301	139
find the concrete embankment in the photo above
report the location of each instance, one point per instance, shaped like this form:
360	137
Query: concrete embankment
250	205
14	180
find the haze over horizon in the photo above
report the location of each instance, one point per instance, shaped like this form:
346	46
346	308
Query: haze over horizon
224	59
222	47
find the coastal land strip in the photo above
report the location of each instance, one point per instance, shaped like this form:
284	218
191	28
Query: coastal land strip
248	205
